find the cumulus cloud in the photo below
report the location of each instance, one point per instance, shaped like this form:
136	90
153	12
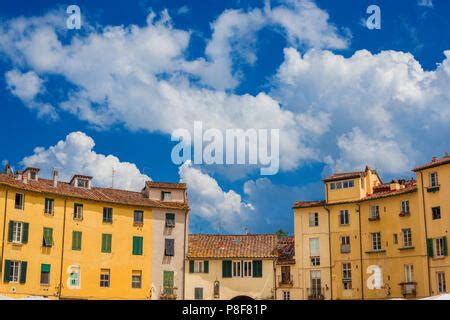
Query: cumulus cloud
27	86
75	155
221	209
383	109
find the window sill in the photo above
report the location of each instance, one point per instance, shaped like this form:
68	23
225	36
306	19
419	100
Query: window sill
107	222
433	189
49	214
376	251
138	224
374	219
407	248
438	258
404	214
16	244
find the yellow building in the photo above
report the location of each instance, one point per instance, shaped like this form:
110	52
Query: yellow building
375	240
224	267
71	240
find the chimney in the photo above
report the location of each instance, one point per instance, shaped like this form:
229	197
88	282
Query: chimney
434	159
7	169
55	178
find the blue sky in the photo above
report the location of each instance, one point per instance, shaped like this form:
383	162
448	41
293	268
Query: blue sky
342	95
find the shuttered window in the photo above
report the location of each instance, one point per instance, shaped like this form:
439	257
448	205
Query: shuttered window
106	243
226	268
168	282
170	220
48	237
76	240
18	232
257	269
107	215
198	293
45	274
169	247
137	245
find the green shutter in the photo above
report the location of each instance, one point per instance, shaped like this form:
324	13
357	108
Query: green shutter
106	243
25	232
10	231
226	269
445	246
191	266
76	240
257	269
430	248
206	266
23	272
168	282
45	268
48	237
137	246
6	271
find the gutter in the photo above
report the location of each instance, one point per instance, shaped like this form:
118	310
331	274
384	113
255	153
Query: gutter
360	252
329	248
426	233
62	249
4	227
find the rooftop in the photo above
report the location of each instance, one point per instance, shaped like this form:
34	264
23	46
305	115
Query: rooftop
110	195
434	163
232	246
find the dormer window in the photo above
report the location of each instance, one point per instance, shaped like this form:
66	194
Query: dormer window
166	195
31	173
342	184
81	183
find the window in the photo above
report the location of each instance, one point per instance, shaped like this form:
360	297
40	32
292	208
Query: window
168	282
137	245
407	238
14	271
45	274
47	240
19	203
286	275
376	241
286	295
138	217
342	184
78	211
374	213
332	186
170	220
434	179
316	283
237	268
405	206
198	293
315	261
362	183
198	266
436	213
395	238
409	273
314	250
247	269
169	247
347	275
136	279
18	232
345	244
314	219
76	240
166	195
106	242
75	277
107	215
82	183
344	218
104	278
441	286
49	206
440	247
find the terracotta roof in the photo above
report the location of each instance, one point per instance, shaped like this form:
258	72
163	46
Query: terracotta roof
434	163
165	185
96	194
308	204
345	175
286	250
232	246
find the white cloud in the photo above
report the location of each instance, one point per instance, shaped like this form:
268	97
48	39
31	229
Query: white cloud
76	155
425	3
27	86
222	209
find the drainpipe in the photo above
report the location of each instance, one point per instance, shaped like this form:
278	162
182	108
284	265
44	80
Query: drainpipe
4	228
184	253
62	250
275	280
329	248
426	232
360	252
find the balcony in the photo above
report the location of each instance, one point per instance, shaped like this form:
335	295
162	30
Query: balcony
316	293
285	280
345	248
433	188
409	289
168	293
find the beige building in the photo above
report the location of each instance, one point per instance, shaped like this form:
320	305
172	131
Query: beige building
224	267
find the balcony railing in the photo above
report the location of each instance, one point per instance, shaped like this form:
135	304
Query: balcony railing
409	289
285	280
168	293
316	293
345	248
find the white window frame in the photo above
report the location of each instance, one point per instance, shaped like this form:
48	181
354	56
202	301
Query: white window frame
166	195
21	205
439	247
405	206
434	181
409	273
136	280
346	214
407	237
247	269
314	250
74	279
14	271
17	233
347	275
440	282
376	241
105	278
286	295
199	266
313	219
375	212
78	211
237	269
82	183
49	206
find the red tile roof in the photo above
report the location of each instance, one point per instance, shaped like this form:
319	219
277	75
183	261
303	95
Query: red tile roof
434	163
165	185
309	204
96	194
345	175
209	246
